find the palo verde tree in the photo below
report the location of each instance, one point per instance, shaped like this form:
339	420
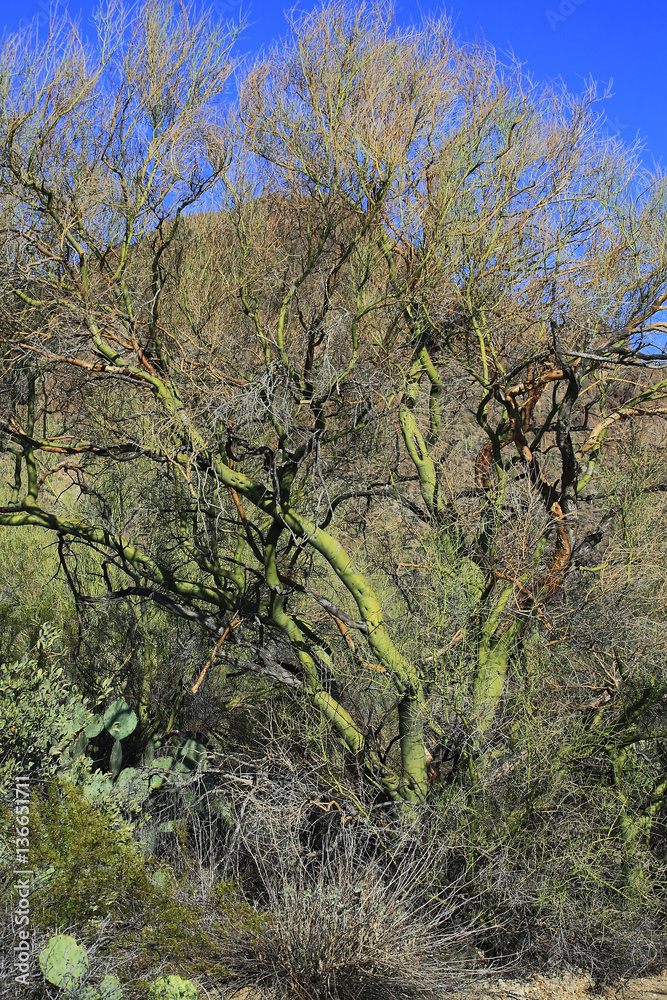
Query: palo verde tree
226	323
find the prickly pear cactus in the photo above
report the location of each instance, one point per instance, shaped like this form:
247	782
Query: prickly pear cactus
160	766
119	719
108	989
194	751
116	759
172	988
81	744
94	727
63	961
133	785
191	755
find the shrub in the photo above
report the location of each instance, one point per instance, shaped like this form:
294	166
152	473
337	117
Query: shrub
38	710
345	918
87	865
92	877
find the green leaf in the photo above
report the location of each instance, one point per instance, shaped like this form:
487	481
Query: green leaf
98	785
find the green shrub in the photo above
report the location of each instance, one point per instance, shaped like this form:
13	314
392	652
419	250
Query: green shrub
32	591
90	870
86	863
39	713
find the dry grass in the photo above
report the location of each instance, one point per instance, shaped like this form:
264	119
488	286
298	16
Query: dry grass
346	912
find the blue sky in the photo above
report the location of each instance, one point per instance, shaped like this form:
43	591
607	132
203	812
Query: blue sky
572	39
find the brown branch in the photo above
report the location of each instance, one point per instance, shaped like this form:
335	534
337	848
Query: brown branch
91	366
236	621
631	411
60	467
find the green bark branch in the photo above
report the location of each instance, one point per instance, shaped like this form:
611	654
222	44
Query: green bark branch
127	552
413	782
341	720
493	654
413	439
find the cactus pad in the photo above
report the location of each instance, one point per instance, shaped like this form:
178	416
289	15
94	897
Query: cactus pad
94	727
108	989
133	784
192	753
119	719
116	760
63	961
172	988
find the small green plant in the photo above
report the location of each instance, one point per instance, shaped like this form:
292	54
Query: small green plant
40	713
63	961
89	870
172	988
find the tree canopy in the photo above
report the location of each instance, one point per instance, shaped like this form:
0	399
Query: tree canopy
342	369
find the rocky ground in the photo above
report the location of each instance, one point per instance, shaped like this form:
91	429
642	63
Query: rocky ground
564	987
567	987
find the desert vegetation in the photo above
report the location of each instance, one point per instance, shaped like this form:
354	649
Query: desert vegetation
332	513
